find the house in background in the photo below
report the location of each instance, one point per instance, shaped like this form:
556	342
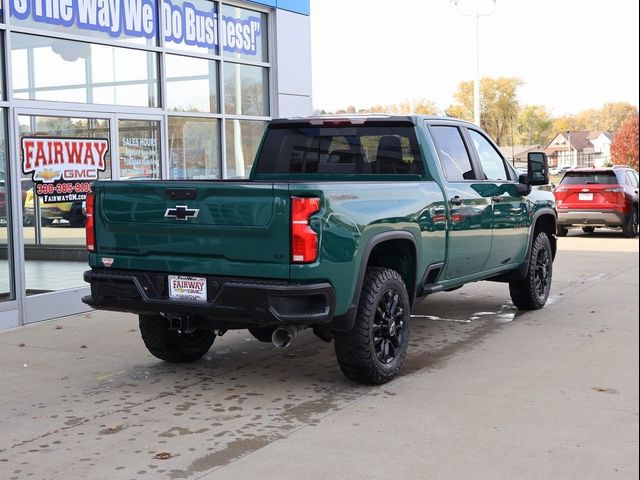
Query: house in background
601	148
580	149
517	155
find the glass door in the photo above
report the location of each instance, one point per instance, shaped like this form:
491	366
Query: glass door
59	157
60	154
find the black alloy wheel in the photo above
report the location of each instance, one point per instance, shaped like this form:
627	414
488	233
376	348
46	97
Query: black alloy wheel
542	277
532	292
388	327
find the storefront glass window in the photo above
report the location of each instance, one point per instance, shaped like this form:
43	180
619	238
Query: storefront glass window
53	69
139	149
244	34
191	26
194	148
6	292
243	138
192	84
133	22
246	90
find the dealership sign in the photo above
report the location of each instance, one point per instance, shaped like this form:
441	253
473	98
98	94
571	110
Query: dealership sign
182	21
63	168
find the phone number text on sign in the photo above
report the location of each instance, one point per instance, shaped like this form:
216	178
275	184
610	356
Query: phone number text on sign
62	188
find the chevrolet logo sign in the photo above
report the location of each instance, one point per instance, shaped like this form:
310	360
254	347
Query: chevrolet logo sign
182	212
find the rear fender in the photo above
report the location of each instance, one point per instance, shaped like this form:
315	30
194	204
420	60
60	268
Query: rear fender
344	323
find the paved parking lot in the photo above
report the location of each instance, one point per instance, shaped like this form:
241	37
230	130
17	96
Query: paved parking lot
485	392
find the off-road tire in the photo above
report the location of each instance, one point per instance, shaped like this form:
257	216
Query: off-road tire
630	228
172	345
262	334
588	229
373	351
562	231
532	292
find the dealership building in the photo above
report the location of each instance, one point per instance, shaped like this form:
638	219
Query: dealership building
127	89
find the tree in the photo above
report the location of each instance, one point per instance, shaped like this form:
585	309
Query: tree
609	118
614	115
624	149
533	126
498	105
419	106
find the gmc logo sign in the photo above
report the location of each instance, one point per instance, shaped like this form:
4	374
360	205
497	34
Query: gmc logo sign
80	174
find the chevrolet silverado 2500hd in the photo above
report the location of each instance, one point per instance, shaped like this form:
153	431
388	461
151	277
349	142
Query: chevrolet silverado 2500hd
342	226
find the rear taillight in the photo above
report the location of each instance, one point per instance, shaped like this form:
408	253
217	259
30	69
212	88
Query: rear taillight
89	225
304	241
560	189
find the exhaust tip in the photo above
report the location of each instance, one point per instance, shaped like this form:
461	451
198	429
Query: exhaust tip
282	338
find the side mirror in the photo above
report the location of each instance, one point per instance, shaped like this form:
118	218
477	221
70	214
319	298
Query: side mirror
537	168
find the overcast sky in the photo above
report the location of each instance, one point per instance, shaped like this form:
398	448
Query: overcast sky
571	54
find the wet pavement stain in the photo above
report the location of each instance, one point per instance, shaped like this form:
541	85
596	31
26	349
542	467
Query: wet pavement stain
233	450
237	400
175	431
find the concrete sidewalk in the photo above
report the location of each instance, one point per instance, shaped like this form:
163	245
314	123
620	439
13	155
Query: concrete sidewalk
553	395
485	393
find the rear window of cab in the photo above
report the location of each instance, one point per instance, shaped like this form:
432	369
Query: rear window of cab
589	178
362	149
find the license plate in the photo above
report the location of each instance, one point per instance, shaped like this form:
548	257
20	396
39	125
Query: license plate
585	196
187	288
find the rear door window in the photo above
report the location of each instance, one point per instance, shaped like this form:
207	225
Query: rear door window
452	153
589	178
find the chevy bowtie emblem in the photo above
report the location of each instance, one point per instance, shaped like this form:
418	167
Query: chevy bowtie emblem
182	212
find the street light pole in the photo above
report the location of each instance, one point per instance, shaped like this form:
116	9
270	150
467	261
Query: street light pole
476	13
476	81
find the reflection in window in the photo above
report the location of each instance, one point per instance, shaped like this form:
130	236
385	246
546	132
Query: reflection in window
58	223
245	34
246	90
62	70
492	163
194	148
452	153
200	36
243	139
192	84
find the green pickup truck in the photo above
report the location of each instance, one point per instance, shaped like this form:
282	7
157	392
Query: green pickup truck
342	226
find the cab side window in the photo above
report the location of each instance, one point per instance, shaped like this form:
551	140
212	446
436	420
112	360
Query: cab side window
491	161
452	153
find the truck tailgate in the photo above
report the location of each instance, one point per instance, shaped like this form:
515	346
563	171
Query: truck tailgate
207	227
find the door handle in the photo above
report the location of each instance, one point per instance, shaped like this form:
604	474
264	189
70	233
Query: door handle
456	200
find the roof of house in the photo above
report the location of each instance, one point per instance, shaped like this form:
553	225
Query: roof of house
518	151
595	134
580	139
